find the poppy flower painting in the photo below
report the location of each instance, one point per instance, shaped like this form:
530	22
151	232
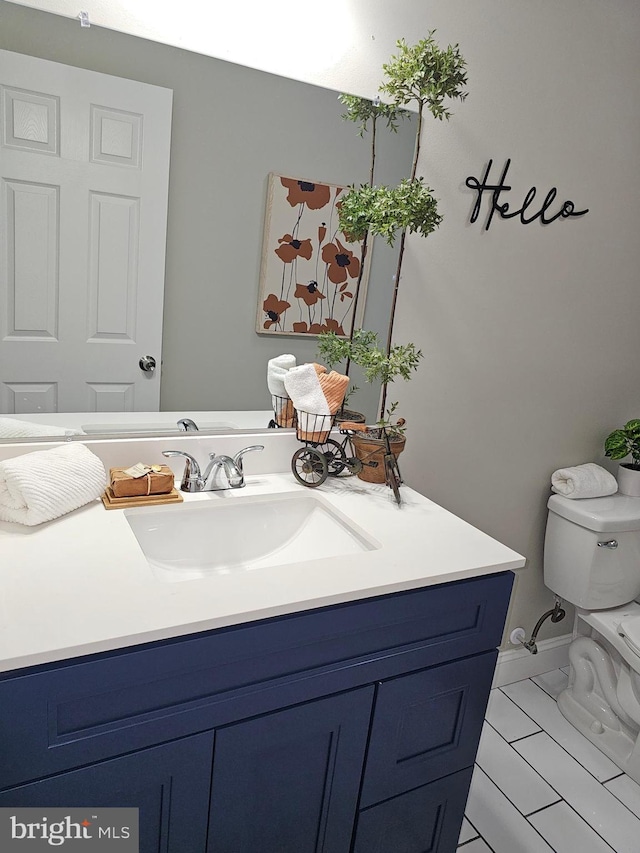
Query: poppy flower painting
310	267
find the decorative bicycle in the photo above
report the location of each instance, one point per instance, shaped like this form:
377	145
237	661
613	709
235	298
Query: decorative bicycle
323	456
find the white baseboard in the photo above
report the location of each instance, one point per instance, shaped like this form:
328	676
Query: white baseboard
516	664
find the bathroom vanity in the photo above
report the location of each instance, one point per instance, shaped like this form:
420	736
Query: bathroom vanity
334	705
353	724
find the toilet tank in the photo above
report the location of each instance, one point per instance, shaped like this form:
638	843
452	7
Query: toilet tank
578	568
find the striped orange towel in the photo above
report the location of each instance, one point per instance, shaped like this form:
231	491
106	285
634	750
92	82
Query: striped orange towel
334	387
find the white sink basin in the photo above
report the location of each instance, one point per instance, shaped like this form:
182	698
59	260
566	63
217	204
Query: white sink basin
236	534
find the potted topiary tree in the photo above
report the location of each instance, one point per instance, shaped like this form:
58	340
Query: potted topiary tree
424	75
367	115
619	444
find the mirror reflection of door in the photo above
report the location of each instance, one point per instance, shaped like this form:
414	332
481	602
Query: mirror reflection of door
84	170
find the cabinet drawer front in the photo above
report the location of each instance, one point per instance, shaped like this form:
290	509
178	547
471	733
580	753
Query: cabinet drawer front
426	820
426	725
60	716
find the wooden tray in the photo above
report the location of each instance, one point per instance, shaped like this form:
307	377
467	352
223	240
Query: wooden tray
111	502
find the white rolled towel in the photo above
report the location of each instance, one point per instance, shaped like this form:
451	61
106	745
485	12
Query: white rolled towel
14	428
303	386
40	486
277	369
583	481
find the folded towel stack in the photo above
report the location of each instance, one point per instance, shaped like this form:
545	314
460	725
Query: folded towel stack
317	396
46	484
13	428
277	369
583	481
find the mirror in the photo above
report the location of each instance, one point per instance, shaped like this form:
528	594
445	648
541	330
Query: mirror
232	126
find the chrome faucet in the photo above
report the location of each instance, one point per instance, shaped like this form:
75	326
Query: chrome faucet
187	425
193	480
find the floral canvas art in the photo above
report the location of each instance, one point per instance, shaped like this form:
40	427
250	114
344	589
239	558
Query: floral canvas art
310	268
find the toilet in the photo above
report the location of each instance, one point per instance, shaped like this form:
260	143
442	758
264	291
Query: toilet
592	560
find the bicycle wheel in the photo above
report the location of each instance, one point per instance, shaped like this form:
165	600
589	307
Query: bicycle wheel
334	453
309	467
392	475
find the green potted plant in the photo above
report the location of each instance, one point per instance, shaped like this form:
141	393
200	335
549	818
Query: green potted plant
424	75
619	444
363	348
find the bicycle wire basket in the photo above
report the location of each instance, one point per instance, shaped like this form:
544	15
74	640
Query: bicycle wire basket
313	428
284	414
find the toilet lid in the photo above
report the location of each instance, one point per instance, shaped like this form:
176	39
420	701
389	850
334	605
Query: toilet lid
629	630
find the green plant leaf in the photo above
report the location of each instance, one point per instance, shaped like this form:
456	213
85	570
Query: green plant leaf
385	210
632	428
616	445
427	74
363	111
333	349
394	430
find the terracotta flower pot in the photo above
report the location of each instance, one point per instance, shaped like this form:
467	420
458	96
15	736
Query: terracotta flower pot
629	480
369	448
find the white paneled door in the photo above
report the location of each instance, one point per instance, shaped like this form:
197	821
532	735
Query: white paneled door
84	171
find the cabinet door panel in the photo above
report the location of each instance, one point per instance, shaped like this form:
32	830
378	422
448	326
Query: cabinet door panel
426	725
426	820
169	784
289	782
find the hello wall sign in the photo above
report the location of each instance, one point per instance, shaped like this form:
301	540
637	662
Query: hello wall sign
524	212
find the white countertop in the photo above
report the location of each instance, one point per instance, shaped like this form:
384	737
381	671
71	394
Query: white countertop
81	584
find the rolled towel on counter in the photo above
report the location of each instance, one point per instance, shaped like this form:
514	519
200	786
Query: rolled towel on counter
284	412
317	396
583	481
14	428
277	369
303	386
40	486
314	416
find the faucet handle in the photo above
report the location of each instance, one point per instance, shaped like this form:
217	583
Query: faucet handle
238	457
191	476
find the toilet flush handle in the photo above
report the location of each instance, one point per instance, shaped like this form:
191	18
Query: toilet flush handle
612	543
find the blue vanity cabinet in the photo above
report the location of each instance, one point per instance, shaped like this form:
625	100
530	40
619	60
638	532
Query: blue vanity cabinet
425	820
425	726
423	743
290	781
169	784
345	729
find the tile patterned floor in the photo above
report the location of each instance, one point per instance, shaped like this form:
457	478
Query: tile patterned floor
539	786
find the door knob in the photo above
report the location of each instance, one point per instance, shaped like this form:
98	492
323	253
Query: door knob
147	363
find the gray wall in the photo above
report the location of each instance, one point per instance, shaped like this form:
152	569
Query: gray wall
231	126
531	333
